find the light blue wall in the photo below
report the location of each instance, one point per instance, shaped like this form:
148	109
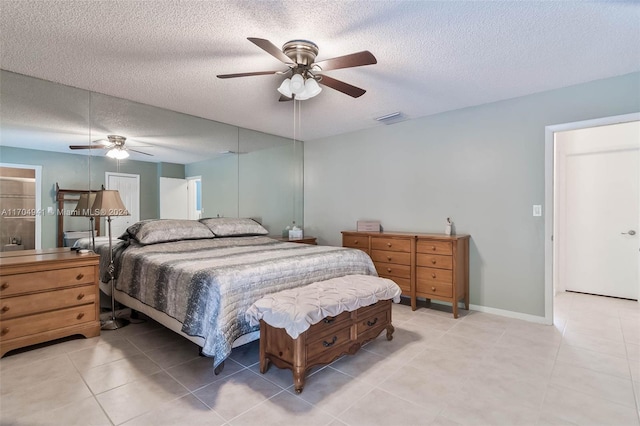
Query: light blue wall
482	166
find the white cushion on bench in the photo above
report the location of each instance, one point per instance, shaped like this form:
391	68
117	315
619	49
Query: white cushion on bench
297	309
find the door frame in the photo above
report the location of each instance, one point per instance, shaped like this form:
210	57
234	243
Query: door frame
549	160
39	212
127	175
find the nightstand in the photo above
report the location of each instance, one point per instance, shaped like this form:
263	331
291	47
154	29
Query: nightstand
305	240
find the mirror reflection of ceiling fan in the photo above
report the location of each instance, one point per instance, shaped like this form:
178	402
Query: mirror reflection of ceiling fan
300	56
115	146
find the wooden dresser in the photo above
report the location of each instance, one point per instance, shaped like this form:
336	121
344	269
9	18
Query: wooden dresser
433	266
47	294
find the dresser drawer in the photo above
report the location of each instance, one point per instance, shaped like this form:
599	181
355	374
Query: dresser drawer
39	323
391	244
373	324
328	323
329	342
11	307
388	270
399	258
356	241
425	288
434	261
434	247
403	283
46	280
433	275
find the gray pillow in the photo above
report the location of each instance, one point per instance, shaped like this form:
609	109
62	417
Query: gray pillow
234	227
153	231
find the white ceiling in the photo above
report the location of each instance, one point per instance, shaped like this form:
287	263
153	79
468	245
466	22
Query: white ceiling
433	56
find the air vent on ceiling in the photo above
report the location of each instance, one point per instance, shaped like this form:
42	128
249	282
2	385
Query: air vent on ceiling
391	118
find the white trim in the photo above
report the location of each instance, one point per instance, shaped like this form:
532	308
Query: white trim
39	212
548	195
510	314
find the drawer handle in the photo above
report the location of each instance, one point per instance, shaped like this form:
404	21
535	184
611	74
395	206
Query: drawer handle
80	276
5	308
4	286
433	275
389	258
433	261
80	315
4	331
372	323
328	320
80	296
433	248
388	269
388	244
355	241
331	343
433	289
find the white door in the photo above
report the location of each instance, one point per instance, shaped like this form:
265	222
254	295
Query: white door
174	198
599	210
129	188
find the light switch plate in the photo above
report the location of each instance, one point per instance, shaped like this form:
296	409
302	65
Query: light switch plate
537	210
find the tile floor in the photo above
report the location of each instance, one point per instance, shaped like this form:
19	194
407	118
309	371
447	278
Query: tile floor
480	369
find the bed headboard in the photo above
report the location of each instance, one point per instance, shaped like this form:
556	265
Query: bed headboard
69	196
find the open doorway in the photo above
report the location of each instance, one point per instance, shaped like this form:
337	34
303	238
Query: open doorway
588	197
20	210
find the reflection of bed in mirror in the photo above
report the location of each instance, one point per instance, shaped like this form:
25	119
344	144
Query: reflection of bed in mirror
198	278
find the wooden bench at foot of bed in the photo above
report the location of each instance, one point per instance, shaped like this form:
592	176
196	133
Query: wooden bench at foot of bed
364	306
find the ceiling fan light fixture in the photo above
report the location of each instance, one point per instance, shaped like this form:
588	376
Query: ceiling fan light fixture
285	88
297	84
117	154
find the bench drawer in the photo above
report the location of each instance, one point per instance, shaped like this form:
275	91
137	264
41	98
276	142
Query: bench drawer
329	342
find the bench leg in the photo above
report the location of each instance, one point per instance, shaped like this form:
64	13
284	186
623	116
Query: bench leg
390	330
298	379
265	363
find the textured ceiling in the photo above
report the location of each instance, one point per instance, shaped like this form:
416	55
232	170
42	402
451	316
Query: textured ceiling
432	56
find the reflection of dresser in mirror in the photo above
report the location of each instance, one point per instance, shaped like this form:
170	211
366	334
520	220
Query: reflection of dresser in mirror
17	208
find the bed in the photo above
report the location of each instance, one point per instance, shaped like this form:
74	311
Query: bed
198	278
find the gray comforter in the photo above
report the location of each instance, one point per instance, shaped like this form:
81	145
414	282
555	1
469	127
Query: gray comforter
209	284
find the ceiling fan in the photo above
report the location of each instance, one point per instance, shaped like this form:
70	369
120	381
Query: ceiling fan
115	145
300	56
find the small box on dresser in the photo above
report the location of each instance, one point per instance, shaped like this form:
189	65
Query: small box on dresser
46	295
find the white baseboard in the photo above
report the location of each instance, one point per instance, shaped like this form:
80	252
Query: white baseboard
502	312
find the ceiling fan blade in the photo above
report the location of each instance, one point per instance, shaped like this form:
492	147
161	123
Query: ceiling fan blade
86	147
139	152
283	98
247	74
348	61
341	86
271	49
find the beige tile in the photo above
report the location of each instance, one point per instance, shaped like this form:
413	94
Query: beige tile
156	339
367	366
332	391
490	321
594	343
247	354
566	405
136	398
187	410
199	372
524	345
30	355
486	409
432	322
515	363
509	389
175	353
429	391
597	361
591	382
41	396
79	413
633	351
117	373
470	331
404	345
381	408
608	332
461	345
446	362
24	375
103	354
236	394
283	409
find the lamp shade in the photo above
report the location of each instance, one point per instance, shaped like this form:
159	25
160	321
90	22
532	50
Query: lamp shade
311	89
83	208
118	153
285	88
109	203
297	84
